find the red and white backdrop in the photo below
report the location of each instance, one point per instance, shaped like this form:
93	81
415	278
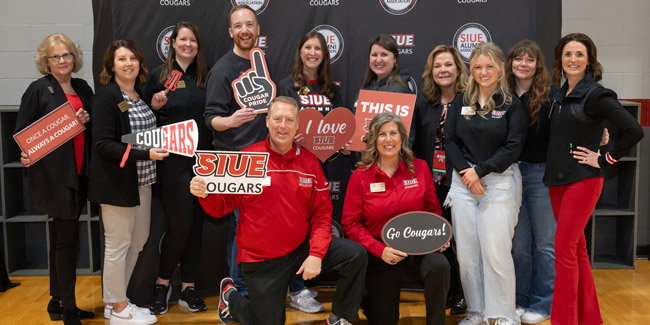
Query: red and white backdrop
348	25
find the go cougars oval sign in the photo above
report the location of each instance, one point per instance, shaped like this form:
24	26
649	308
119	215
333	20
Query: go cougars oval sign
416	233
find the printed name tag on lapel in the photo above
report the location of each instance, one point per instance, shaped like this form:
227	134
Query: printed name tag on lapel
465	110
180	84
124	106
377	187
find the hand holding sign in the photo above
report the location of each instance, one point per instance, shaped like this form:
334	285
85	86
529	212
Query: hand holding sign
254	88
159	99
416	233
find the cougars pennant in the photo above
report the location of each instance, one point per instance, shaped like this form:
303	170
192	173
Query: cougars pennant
180	138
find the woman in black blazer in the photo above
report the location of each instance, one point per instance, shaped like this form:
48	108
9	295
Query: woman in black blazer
121	176
58	182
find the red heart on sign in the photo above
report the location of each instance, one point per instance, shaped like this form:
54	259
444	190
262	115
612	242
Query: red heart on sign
326	135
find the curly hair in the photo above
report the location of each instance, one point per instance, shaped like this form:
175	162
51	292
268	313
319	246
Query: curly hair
541	80
369	155
107	75
472	94
592	54
41	57
328	88
432	90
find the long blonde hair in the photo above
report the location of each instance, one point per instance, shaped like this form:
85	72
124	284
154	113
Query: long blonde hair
369	155
472	95
431	89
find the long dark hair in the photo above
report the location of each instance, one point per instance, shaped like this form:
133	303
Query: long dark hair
538	93
328	88
389	44
201	66
592	54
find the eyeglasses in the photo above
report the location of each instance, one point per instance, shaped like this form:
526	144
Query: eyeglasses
65	57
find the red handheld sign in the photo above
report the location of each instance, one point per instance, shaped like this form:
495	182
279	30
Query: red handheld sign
172	82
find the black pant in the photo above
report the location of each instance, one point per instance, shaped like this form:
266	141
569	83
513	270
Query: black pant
383	283
455	286
64	236
184	216
267	283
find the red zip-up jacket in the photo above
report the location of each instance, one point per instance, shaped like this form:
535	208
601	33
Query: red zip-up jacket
365	213
296	206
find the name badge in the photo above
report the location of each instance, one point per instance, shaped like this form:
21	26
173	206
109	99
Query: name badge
123	106
465	110
439	161
377	187
180	84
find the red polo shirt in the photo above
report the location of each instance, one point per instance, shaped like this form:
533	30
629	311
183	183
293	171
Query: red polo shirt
366	211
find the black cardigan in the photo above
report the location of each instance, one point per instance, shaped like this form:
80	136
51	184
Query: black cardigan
109	183
424	126
54	185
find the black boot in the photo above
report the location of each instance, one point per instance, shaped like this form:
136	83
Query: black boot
71	317
55	310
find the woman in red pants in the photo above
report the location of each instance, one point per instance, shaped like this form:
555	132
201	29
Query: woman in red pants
574	170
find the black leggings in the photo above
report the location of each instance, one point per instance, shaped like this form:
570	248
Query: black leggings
184	216
64	236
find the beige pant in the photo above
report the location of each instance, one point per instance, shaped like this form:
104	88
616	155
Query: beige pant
126	230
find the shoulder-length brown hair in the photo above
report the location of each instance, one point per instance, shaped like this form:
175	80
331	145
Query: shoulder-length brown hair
201	66
324	77
592	54
107	75
389	44
41	57
472	94
369	155
432	90
538	93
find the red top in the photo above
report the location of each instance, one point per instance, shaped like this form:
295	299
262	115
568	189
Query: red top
79	138
365	212
296	206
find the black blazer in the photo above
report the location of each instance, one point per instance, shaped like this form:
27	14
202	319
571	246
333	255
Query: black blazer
54	185
426	117
110	183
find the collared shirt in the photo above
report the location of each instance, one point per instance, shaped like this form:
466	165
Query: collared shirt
368	207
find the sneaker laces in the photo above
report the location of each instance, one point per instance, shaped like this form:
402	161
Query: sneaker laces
224	310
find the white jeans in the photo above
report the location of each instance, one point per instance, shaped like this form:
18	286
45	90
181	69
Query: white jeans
126	230
484	225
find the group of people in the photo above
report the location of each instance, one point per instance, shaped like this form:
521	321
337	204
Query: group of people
515	164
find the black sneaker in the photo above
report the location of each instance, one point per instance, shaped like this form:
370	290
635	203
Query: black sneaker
161	295
459	308
190	299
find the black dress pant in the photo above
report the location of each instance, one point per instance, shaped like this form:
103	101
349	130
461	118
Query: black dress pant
383	284
64	236
455	286
267	283
184	217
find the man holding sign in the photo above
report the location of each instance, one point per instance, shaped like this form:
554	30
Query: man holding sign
285	230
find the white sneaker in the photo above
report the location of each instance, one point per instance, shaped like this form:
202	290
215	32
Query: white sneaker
531	317
520	311
304	301
505	321
107	311
133	314
473	318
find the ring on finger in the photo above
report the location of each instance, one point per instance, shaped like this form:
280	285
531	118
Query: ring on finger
392	261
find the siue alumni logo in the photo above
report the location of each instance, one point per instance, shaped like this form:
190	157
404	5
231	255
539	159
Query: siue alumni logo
258	5
334	40
163	42
397	7
468	36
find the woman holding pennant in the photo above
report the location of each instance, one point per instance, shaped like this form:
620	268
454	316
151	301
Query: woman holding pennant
58	182
121	176
389	181
183	213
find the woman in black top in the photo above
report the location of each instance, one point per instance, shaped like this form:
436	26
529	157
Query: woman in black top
183	213
382	71
485	133
574	170
532	244
445	76
58	182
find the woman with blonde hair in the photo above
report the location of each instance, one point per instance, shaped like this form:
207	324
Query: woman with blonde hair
485	134
444	77
58	182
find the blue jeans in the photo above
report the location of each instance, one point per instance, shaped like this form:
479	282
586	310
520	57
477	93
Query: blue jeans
297	284
532	246
484	225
